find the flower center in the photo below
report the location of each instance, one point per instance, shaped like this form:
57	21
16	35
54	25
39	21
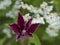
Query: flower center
23	32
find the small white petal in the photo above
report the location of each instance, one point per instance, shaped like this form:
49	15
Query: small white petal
7	32
26	17
51	32
43	5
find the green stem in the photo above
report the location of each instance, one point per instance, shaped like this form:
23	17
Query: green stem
25	42
28	42
22	42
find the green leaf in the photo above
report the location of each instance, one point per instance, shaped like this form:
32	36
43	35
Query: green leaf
37	2
28	1
2	41
5	20
33	2
35	40
47	1
57	6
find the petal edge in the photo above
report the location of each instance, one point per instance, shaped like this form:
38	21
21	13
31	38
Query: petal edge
33	27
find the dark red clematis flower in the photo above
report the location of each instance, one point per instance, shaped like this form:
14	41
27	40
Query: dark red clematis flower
23	29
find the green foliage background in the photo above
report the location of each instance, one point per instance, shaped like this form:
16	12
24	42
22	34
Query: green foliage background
40	36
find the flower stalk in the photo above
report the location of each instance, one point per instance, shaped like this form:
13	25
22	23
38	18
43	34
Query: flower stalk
22	42
25	42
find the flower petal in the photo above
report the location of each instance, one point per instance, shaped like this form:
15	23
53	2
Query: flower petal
25	36
30	34
18	36
20	21
15	28
33	27
28	23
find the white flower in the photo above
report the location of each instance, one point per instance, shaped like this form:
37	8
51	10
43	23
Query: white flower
7	32
4	4
14	11
38	19
23	5
26	17
49	8
51	18
54	20
43	5
44	9
51	32
27	7
54	24
40	11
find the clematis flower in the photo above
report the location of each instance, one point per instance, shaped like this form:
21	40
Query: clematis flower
23	29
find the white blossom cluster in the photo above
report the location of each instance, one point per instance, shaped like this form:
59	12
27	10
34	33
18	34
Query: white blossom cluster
7	32
51	17
54	24
44	9
4	4
26	17
37	19
14	11
52	32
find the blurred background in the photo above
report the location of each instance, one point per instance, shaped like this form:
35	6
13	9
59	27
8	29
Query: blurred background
44	35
